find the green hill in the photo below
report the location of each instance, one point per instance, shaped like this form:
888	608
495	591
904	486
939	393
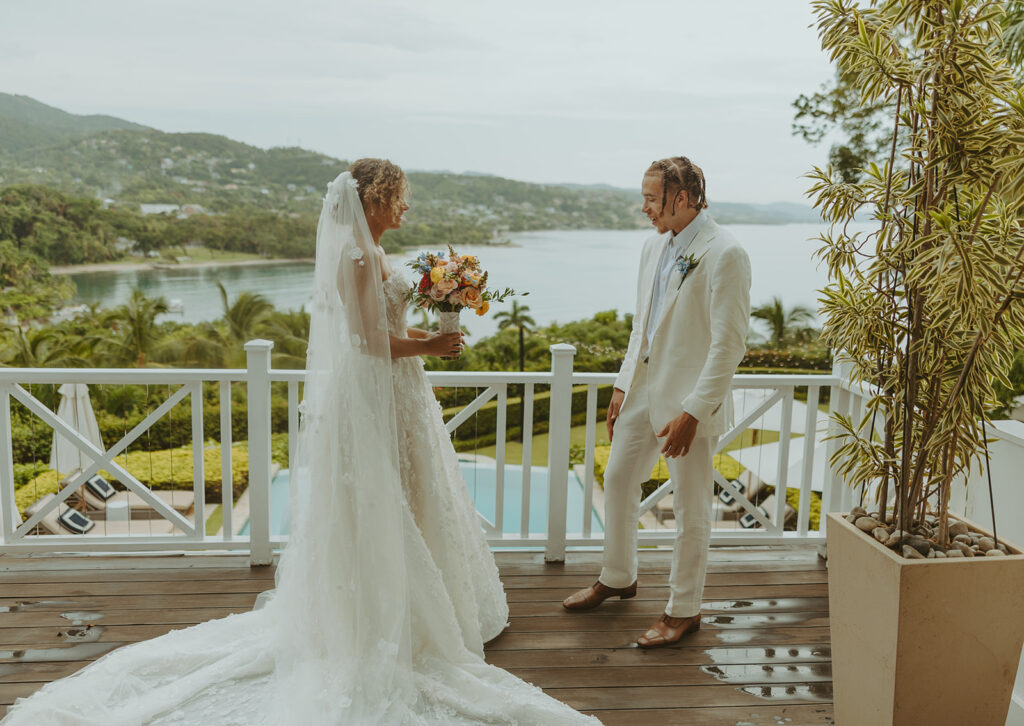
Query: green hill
26	124
138	167
107	158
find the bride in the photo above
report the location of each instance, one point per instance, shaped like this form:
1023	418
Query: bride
386	591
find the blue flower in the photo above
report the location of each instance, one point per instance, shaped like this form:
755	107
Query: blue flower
686	264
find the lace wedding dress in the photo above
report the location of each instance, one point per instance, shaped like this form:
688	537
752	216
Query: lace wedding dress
386	591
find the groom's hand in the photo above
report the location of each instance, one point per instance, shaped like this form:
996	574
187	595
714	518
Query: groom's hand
613	409
678	435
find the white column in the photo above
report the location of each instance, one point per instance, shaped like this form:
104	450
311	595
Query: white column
559	422
257	353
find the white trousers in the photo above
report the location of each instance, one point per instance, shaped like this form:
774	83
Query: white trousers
635	451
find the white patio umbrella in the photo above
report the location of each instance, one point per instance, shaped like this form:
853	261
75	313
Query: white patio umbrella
75	409
763	461
746	400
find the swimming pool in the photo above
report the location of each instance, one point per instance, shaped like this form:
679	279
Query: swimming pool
481	481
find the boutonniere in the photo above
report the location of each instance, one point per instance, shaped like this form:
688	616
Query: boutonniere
686	264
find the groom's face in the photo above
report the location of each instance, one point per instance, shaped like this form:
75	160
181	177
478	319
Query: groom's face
663	217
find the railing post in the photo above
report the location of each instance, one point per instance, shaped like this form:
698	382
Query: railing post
9	516
559	423
257	355
839	395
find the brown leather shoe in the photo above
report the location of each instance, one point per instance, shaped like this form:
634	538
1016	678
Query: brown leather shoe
590	597
668	630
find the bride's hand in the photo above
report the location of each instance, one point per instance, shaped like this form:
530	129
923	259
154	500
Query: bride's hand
447	344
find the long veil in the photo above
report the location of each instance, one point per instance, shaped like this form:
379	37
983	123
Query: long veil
360	629
342	580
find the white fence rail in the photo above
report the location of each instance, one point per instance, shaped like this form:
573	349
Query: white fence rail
520	512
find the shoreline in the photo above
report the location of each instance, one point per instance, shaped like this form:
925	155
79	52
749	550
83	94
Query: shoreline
167	266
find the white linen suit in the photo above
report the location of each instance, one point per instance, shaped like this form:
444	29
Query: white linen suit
698	341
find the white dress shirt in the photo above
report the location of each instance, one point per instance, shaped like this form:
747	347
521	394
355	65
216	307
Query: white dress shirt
674	251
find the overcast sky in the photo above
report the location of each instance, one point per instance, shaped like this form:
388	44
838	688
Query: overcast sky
545	91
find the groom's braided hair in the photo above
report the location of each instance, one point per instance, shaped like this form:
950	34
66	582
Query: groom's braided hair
381	184
679	173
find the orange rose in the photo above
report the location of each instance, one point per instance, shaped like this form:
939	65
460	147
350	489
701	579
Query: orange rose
472	297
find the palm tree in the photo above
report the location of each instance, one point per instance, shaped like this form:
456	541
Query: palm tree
517	318
794	325
39	348
137	323
198	346
290	332
245	315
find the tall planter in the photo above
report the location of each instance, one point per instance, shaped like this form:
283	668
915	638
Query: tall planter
914	642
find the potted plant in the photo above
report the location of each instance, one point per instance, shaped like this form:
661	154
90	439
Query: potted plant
927	311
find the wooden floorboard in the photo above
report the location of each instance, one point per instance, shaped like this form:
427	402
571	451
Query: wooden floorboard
761	657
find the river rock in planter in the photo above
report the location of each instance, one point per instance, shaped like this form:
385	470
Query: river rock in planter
867	524
958	528
894	539
986	543
920	544
963	549
911	553
995	553
881	534
851	518
858	512
1002	547
955	553
962	538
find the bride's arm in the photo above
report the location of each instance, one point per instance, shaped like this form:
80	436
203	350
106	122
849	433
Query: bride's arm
434	344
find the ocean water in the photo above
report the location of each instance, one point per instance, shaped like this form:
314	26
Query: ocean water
569	274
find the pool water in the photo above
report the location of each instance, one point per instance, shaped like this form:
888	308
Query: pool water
481	481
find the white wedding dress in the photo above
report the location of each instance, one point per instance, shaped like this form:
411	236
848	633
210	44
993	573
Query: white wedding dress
386	591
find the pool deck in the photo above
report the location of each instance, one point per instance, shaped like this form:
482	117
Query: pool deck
762	657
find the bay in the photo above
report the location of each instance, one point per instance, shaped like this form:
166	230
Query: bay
570	275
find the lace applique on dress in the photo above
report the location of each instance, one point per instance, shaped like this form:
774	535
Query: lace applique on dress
436	491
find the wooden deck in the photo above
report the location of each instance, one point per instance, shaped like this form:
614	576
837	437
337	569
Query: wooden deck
762	657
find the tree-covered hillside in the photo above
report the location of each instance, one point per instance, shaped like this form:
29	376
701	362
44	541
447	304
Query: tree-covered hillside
108	158
25	123
134	167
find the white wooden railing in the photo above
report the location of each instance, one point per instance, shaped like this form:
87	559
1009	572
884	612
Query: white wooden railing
766	525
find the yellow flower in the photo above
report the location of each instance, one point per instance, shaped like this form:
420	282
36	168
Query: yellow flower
436	274
482	310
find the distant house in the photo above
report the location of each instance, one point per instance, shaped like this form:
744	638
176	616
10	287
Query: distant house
187	210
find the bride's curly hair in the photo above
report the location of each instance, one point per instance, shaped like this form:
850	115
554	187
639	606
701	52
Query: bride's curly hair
680	174
381	184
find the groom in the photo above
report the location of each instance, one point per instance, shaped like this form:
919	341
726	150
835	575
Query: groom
672	394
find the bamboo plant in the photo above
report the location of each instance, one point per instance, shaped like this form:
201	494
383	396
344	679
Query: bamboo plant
926	306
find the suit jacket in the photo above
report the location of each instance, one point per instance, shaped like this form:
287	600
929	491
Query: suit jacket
699	337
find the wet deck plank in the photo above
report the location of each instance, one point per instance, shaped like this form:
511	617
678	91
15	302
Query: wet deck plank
762	656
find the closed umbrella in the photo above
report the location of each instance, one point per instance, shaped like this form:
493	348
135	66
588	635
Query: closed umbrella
75	409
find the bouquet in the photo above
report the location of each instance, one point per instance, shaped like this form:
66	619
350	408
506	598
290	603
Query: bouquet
449	284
